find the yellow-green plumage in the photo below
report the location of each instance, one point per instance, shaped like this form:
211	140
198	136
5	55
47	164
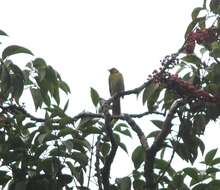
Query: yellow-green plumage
116	85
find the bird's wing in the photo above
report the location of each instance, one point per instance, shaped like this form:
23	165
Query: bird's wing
110	84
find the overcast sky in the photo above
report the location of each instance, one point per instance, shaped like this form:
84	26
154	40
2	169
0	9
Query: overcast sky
83	39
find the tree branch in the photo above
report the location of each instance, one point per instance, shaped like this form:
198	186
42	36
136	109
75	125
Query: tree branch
128	92
110	157
137	130
157	144
90	162
140	115
13	109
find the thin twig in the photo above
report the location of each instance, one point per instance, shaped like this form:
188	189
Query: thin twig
90	162
140	115
97	164
165	170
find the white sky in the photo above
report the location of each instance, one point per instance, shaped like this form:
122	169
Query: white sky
82	39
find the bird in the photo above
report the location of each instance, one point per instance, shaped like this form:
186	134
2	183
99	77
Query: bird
116	85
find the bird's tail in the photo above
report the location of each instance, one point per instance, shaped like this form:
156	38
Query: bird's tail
116	108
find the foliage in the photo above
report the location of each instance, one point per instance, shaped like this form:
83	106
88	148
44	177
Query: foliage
58	151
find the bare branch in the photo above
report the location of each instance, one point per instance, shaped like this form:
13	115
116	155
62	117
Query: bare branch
128	92
145	114
137	130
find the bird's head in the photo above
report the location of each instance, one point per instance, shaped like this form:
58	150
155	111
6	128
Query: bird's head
113	70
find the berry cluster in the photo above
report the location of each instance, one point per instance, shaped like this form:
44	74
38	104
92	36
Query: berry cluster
186	88
170	61
167	63
205	37
183	88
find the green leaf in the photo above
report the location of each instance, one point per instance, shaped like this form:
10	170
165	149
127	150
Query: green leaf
158	123
200	186
91	130
200	144
215	161
94	96
150	91
64	179
199	124
56	95
44	94
66	106
214	184
215	50
154	97
39	63
196	12
181	150
210	156
5	81
51	84
123	147
153	134
192	25
64	86
68	144
215	6
169	97
212	170
82	143
4	178
14	49
123	129
192	172
138	184
164	166
2	33
178	181
81	158
105	147
41	137
86	122
193	59
17	81
138	156
147	91
41	66
67	131
37	98
124	183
